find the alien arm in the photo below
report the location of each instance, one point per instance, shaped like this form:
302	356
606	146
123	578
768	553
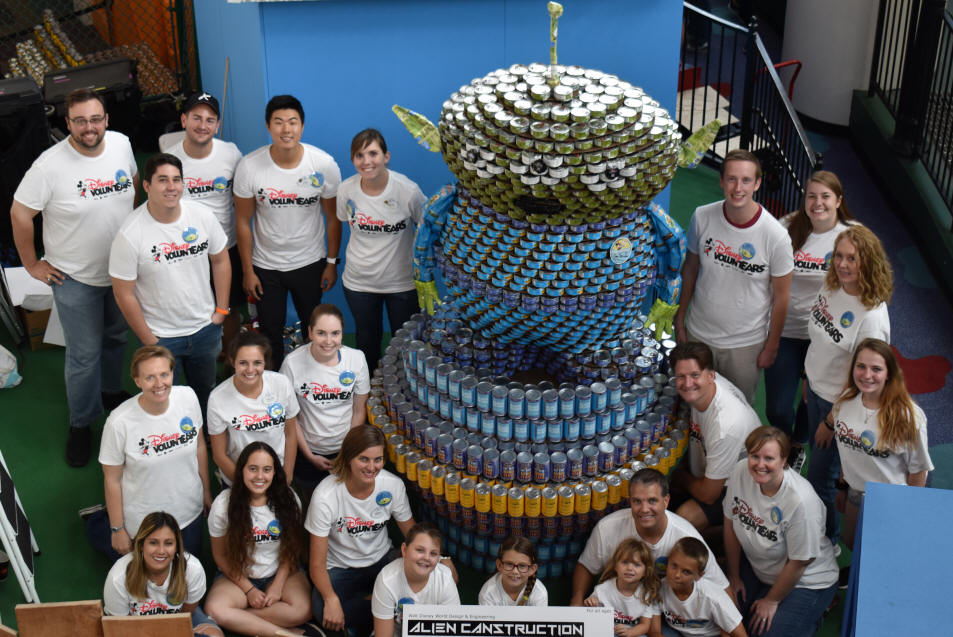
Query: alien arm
428	232
669	256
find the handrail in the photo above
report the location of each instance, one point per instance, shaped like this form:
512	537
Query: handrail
714	18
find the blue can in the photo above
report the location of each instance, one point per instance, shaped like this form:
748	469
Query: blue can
478	561
551	404
524	467
645	434
534	398
508	466
603	422
498	398
558	462
474	460
588	426
422	392
590	460
468	391
574	464
480	544
641	401
554	430
488	425
483	390
633	439
443	373
567	403
630	403
606	455
620	450
617	418
473	419
656	425
459	451
445	406
454	380
572	429
583	400
542	468
521	430
430	369
504	428
444	448
538	430
649	385
613	392
544	551
516	405
458	413
600	396
491	464
430	441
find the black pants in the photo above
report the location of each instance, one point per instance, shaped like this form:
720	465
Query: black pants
305	287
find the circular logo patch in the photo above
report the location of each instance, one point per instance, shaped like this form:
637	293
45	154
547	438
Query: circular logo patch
274	528
276	410
316	179
847	319
621	251
383	498
747	251
347	378
220	184
186	425
776	515
121	177
868	439
190	234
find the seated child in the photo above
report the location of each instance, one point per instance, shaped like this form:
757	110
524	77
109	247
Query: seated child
630	586
515	582
692	606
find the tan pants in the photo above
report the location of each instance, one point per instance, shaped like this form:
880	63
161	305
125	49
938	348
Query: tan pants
739	365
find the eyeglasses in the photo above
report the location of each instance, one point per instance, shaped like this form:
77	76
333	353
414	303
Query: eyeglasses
509	566
82	122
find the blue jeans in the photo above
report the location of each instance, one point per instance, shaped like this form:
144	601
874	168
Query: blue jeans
95	334
799	614
367	308
781	383
824	467
195	358
352	585
100	537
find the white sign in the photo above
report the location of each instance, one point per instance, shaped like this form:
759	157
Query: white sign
423	620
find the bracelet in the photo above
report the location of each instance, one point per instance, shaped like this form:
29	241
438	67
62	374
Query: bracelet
222	311
117	529
249	590
829	424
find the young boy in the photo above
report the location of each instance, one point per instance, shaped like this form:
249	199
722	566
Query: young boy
693	607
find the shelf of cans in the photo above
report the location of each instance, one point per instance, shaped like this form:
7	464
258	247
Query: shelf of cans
567	287
491	457
586	141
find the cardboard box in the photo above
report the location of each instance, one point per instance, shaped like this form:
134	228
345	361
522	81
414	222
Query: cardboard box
35	325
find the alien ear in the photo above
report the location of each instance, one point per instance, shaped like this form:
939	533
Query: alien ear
423	130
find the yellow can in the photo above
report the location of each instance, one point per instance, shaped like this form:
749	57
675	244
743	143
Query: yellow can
437	480
565	496
614	484
481	497
498	499
625	475
392	443
452	487
468	493
374	412
550	501
583	499
664	459
600	495
533	502
401	451
424	467
413	461
515	502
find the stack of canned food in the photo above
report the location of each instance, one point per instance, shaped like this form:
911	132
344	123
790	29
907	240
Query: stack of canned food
492	457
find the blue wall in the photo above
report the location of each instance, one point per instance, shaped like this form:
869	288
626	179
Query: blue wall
349	61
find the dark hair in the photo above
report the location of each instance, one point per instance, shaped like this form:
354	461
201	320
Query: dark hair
765	433
522	545
649	476
426	528
321	310
357	440
146	352
801	227
162	159
692	350
249	338
366	137
739	154
693	549
280	498
626	550
281	102
81	95
136	575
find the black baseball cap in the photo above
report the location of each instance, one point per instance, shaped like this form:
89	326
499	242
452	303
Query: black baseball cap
204	99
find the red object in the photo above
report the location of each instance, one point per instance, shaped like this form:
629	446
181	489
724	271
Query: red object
923	375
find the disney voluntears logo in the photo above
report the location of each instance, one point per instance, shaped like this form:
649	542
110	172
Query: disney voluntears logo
754	522
319	391
151	607
197	186
278	198
728	257
171	251
825	320
677	620
162	443
271	533
806	261
864	441
367	223
354	525
94	188
256	422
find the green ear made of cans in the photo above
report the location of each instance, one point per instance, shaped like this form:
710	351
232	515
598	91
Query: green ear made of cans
423	130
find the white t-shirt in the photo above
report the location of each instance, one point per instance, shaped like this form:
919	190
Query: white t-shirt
492	594
837	323
249	420
118	602
811	263
170	264
264	527
208	181
790	525
288	228
857	431
356	529
158	456
84	201
706	612
392	592
628	608
717	435
326	394
381	248
731	305
620	525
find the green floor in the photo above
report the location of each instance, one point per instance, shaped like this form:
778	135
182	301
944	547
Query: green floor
32	439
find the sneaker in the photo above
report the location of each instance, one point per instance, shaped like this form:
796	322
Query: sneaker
77	446
113	399
88	511
312	630
843	578
796	458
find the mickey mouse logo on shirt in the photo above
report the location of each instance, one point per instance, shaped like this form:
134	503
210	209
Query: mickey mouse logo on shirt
347	378
747	251
847	319
384	498
276	410
776	515
316	179
190	234
274	528
186	425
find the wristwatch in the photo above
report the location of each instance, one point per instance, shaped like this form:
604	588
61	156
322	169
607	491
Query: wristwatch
332	260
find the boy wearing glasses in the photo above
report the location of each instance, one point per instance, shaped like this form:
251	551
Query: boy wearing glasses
85	186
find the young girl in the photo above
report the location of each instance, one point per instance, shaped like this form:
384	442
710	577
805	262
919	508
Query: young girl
881	433
382	207
257	540
254	404
158	576
630	586
417	577
515	582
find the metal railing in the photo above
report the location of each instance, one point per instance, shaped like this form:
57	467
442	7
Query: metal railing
896	28
935	147
726	74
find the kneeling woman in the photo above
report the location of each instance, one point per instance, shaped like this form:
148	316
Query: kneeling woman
158	576
257	540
